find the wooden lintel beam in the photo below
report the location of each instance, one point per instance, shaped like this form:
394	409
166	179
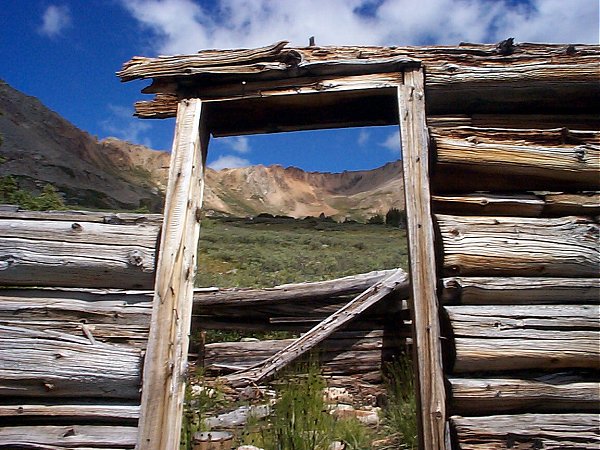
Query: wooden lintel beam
426	325
166	358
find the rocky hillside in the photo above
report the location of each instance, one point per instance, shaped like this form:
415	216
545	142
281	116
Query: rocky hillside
41	147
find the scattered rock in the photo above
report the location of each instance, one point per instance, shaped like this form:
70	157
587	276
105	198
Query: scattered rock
367	415
337	395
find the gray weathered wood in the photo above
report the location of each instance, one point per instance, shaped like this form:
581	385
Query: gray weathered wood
54	364
166	358
298	291
549	431
520	290
499	337
561	392
95	411
488	204
424	303
515	246
74	254
69	436
397	281
470	159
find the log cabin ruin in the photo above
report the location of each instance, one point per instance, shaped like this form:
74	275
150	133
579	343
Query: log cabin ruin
501	157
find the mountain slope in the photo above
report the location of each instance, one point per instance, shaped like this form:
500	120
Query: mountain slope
41	147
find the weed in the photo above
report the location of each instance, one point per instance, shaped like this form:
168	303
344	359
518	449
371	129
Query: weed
401	411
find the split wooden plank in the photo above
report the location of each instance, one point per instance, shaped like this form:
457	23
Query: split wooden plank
520	290
74	254
572	204
528	431
69	436
560	392
517	246
35	363
424	304
166	359
395	282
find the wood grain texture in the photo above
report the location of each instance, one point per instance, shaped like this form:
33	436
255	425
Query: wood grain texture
507	159
72	436
54	364
166	358
424	303
526	431
515	246
520	290
74	254
516	337
73	411
523	205
560	392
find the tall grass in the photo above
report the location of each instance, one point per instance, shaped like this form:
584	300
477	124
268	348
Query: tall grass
401	411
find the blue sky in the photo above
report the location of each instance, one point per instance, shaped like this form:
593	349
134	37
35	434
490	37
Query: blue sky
65	52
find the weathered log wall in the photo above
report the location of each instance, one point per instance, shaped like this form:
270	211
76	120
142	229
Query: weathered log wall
71	356
518	259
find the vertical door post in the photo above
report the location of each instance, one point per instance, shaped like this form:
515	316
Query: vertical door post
165	363
426	326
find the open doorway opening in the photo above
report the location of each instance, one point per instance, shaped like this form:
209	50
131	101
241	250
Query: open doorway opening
330	224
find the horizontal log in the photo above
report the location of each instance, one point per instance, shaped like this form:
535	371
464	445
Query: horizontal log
572	204
116	318
546	205
80	412
520	290
488	205
298	292
74	254
114	218
53	364
70	436
562	392
514	246
527	431
493	338
590	122
515	160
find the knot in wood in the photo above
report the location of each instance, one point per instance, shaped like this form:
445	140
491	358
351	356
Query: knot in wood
76	227
135	258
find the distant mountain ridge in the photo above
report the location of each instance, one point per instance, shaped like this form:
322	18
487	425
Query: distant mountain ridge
41	147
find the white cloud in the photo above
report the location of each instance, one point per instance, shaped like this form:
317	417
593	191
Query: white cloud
392	142
239	144
122	125
55	20
182	26
363	138
229	162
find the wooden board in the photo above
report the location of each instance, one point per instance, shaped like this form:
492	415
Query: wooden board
561	392
516	246
509	338
520	290
70	436
54	364
424	303
527	431
166	358
77	254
